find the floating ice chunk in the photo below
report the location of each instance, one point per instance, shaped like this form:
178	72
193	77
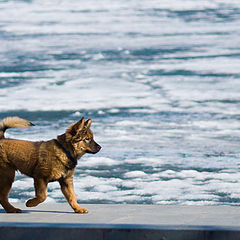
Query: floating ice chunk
100	112
97	161
147	161
114	110
76	114
98	56
135	174
105	188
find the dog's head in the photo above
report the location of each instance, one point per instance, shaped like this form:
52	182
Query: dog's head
81	138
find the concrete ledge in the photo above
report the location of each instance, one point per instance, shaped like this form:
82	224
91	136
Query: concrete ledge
113	221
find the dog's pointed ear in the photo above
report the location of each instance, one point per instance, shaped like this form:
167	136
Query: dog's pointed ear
73	129
79	125
88	123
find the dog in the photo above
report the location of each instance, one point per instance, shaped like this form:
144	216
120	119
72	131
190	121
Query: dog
44	161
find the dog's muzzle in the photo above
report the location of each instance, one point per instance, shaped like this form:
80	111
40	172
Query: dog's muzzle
97	148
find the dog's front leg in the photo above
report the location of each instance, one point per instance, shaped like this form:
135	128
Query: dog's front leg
40	186
67	190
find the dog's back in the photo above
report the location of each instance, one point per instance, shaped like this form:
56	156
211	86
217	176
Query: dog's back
11	148
19	154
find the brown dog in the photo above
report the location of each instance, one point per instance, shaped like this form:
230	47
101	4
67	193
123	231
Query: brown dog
45	161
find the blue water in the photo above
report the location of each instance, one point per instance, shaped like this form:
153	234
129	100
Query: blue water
160	79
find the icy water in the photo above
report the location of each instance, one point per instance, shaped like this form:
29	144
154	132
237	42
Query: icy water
160	79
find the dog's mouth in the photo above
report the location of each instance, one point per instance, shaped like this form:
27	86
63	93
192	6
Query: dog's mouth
87	151
92	152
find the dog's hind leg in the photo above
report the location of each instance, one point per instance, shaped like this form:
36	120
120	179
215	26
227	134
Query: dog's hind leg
6	179
40	186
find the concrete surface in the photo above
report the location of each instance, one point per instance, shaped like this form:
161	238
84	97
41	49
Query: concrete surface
113	221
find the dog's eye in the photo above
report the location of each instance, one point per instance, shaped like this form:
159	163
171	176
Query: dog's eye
87	139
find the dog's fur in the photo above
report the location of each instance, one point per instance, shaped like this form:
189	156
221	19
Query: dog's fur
45	161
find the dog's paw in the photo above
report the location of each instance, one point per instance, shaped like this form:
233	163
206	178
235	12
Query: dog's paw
31	203
81	210
14	210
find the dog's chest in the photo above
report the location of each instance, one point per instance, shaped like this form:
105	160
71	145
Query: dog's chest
56	175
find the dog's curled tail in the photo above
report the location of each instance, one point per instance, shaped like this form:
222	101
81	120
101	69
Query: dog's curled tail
13	122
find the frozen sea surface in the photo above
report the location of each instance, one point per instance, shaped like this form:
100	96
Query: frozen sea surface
160	79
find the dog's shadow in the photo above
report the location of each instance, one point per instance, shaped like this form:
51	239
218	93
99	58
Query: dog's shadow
45	211
37	211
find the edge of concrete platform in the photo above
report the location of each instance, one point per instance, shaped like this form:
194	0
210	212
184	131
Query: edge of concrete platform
162	222
117	226
39	231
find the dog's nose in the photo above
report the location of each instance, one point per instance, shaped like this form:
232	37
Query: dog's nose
99	147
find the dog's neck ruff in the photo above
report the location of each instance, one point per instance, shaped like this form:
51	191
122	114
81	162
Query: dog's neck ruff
73	162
